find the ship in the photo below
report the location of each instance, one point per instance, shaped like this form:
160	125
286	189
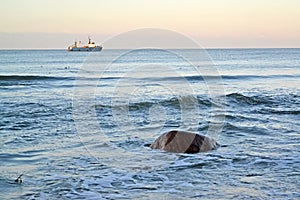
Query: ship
91	46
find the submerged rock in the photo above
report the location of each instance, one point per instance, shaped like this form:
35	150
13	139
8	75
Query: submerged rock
184	142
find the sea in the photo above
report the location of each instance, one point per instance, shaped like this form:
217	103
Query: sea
77	125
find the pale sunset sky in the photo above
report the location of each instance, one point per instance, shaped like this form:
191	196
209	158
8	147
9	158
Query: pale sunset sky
212	23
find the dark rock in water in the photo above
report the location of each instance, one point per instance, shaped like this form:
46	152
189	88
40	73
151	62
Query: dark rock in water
184	142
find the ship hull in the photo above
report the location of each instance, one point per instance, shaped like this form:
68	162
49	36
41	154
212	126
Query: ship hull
97	48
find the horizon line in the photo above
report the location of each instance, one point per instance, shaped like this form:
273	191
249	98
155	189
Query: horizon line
6	49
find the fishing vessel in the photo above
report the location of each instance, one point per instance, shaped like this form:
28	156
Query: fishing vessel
91	46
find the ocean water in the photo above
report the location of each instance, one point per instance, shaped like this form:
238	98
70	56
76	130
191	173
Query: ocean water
75	124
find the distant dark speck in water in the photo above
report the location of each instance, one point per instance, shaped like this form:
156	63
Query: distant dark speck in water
19	179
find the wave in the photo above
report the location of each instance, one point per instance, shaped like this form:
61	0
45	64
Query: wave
280	112
31	78
232	99
218	78
223	77
171	102
266	104
167	78
278	100
278	104
243	77
251	100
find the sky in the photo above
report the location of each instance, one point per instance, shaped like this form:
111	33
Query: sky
35	24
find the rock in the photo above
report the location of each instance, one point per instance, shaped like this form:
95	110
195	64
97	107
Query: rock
184	142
